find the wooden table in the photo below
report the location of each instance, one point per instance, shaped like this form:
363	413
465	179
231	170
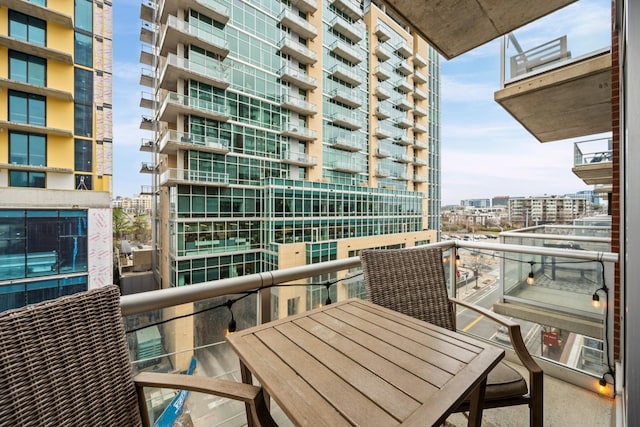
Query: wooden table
356	363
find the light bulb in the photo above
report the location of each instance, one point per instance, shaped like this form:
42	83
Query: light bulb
595	300
531	279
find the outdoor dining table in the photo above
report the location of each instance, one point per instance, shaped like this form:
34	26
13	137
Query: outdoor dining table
357	363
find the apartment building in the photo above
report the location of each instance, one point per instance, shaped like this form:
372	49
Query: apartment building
55	148
286	133
546	209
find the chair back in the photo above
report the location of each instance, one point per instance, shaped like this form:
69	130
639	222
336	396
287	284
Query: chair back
410	281
65	362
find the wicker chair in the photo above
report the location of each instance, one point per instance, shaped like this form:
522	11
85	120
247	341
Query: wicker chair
412	281
65	362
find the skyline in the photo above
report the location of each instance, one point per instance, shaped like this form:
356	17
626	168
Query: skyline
482	145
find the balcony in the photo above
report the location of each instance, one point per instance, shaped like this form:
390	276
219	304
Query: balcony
447	28
593	161
354	31
403	140
381	153
146	167
383	132
298	104
147	100
148	55
420	145
35	49
565	403
383	52
216	10
383	172
349	52
403	85
403	158
419	77
419	162
350	98
382	113
559	89
172	141
299	159
419	60
147	78
382	93
404	67
297	24
298	77
351	8
147	145
403	49
148	10
383	72
346	165
173	177
147	32
419	128
403	122
210	71
36	89
147	123
345	120
403	103
346	74
419	94
289	46
346	143
175	104
419	178
181	32
49	14
383	33
419	111
306	6
299	132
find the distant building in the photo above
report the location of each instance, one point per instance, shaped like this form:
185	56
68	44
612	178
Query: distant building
546	210
476	203
140	205
500	201
588	195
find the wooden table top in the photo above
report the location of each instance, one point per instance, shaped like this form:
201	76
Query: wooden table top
356	363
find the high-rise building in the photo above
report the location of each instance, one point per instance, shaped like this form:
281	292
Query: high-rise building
546	209
286	133
55	149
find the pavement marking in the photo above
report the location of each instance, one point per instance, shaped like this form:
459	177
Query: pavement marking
472	324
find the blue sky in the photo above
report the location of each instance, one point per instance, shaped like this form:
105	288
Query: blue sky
485	152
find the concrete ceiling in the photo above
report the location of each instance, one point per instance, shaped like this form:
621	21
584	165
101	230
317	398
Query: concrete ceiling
453	27
567	102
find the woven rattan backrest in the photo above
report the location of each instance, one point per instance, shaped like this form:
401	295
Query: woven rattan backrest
65	362
410	281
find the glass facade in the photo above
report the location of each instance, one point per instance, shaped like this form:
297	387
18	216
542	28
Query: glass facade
27	28
27	68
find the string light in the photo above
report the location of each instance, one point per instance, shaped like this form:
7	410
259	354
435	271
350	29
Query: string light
595	300
231	328
328	300
531	279
457	260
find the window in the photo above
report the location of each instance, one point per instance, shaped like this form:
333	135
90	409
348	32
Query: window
83	155
27	108
27	68
27	28
83	106
83	182
83	51
84	15
27	149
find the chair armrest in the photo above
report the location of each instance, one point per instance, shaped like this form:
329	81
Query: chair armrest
249	394
515	335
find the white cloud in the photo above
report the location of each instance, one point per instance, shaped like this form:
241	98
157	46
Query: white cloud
455	89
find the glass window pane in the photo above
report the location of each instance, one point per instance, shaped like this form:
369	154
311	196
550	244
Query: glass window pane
37	180
18	148
17	107
41	291
83	52
37	31
84	15
18	26
18	179
17	66
11	296
37	73
83	119
83	86
83	154
37	150
37	110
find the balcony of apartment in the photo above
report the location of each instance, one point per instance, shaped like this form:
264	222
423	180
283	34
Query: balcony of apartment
347	51
175	104
420	145
403	139
383	72
172	177
419	162
36	89
419	178
299	159
346	74
403	158
403	49
419	94
403	85
147	77
148	31
171	141
382	113
177	31
211	8
419	77
403	122
345	120
148	10
346	165
382	92
419	111
383	33
354	31
147	100
147	145
383	52
146	167
300	132
298	77
147	123
147	190
346	143
46	13
419	60
401	176
351	8
403	103
383	132
382	172
347	97
447	28
404	67
195	322
290	46
13	43
210	70
298	104
297	24
559	89
593	161
148	54
34	128
306	6
419	128
382	153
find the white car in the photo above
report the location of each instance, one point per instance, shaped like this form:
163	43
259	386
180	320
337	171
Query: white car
502	335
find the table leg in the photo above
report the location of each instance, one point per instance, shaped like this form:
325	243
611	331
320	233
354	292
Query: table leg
476	401
247	379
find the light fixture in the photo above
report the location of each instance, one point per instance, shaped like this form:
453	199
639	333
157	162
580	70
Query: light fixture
231	328
328	300
457	260
602	384
595	300
531	277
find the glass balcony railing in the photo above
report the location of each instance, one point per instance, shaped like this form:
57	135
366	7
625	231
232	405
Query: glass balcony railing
592	151
176	176
524	54
214	40
169	328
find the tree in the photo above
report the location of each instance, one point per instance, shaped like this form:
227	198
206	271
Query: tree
140	229
121	223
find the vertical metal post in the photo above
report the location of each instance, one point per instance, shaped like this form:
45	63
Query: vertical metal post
453	268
